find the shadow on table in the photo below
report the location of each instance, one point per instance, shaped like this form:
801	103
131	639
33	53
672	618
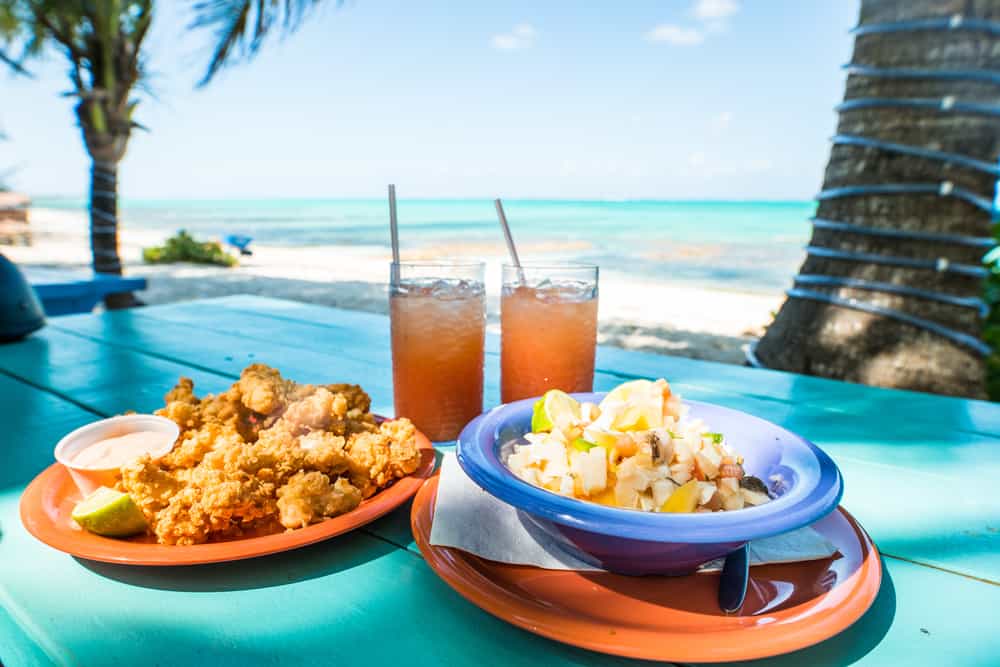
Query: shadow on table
853	643
843	649
772	588
311	562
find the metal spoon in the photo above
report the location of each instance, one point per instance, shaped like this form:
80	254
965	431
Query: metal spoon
734	578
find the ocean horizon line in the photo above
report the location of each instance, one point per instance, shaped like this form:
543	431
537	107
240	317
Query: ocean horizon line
82	199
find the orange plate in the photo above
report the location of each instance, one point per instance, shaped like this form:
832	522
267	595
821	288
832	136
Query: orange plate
48	501
788	607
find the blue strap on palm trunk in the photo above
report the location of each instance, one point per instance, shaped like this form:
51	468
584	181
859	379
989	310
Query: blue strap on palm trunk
943	189
954	22
941	265
985	242
978	75
917	151
944	105
892	288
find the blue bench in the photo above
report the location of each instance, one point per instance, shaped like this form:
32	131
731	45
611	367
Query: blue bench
67	292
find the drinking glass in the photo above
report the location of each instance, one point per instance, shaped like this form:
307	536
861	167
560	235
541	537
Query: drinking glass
548	318
438	314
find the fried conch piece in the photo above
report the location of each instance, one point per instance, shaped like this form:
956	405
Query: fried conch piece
183	407
183	392
309	497
357	400
377	458
193	445
150	486
263	390
314	412
225	410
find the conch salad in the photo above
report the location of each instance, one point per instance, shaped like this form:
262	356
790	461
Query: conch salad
636	450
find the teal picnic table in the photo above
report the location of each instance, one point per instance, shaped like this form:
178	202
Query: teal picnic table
921	475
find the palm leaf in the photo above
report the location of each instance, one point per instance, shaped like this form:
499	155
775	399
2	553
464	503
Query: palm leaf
12	63
11	28
240	26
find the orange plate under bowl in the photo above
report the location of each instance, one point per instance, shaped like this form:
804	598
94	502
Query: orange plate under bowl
48	501
788	606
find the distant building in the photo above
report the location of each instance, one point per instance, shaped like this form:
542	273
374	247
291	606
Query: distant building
14	227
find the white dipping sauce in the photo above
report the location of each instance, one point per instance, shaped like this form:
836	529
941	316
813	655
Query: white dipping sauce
116	452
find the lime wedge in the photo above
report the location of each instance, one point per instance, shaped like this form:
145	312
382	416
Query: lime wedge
110	513
555	408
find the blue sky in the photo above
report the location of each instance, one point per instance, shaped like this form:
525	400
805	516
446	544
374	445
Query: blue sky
689	99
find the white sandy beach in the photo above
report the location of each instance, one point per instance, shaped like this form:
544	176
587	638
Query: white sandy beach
656	316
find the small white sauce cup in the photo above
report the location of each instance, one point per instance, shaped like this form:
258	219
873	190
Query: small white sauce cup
89	479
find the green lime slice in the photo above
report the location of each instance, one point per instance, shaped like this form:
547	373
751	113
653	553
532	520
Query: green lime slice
555	407
110	513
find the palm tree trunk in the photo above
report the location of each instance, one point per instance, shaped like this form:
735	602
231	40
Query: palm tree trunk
889	292
104	227
104	217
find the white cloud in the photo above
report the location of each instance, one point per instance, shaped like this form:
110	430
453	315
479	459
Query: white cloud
714	10
505	42
675	34
525	31
721	121
520	37
710	15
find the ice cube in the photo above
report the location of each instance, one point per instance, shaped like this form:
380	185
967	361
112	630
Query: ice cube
444	289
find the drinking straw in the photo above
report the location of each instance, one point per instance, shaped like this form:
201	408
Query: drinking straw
510	240
393	224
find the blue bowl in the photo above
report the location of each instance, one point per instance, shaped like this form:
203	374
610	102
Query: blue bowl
639	543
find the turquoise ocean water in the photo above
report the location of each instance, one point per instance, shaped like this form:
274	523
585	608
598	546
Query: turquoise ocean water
738	245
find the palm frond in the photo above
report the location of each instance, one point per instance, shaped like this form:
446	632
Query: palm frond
12	30
13	63
11	22
241	26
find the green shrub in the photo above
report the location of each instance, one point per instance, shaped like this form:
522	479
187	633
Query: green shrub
184	248
991	326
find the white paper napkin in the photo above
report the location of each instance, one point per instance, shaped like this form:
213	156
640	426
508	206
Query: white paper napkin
468	518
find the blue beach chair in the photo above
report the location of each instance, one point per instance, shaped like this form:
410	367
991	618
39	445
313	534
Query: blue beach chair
241	243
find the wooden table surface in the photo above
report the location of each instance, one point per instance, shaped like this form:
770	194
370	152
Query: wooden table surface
921	474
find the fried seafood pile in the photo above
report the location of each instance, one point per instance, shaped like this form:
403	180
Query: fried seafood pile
268	454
